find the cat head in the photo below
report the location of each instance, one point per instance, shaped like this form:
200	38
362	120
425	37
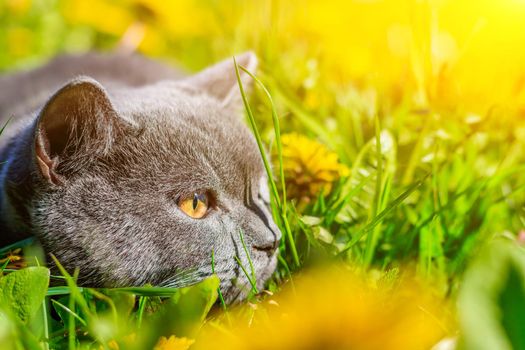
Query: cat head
142	185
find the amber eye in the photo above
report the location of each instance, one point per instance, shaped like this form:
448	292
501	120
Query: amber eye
195	206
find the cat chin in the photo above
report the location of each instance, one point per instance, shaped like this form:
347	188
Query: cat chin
267	271
237	290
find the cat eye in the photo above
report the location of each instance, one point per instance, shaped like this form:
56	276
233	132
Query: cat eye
195	205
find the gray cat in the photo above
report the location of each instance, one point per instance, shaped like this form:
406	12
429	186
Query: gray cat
137	176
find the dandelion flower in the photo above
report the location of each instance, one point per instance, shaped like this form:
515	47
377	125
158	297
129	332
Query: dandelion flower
173	343
335	309
309	167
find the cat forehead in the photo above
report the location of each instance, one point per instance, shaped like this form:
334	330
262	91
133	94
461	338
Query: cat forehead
169	111
189	128
169	103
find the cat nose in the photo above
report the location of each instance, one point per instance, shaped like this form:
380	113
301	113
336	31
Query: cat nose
267	234
269	242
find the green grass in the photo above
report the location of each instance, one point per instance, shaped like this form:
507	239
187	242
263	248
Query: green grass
280	203
433	215
427	192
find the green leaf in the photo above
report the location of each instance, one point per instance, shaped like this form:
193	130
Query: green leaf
24	291
322	234
14	334
192	304
123	301
310	220
181	315
491	302
512	305
8	335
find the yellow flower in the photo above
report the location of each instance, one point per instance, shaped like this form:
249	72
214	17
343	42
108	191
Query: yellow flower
153	22
309	167
335	309
113	345
173	343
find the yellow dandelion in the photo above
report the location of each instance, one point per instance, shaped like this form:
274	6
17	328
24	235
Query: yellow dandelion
309	167
335	309
173	343
113	345
145	25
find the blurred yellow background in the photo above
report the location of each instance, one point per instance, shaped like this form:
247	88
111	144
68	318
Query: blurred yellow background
434	53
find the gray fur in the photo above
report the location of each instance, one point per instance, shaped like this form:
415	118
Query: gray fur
121	153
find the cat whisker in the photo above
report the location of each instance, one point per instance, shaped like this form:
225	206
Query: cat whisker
185	279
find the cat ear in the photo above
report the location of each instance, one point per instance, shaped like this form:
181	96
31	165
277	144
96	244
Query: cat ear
79	115
220	80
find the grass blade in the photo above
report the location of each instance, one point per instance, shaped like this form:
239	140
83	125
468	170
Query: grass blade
148	291
71	338
71	313
257	135
376	204
4	126
252	270
252	283
20	244
277	129
221	298
379	218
